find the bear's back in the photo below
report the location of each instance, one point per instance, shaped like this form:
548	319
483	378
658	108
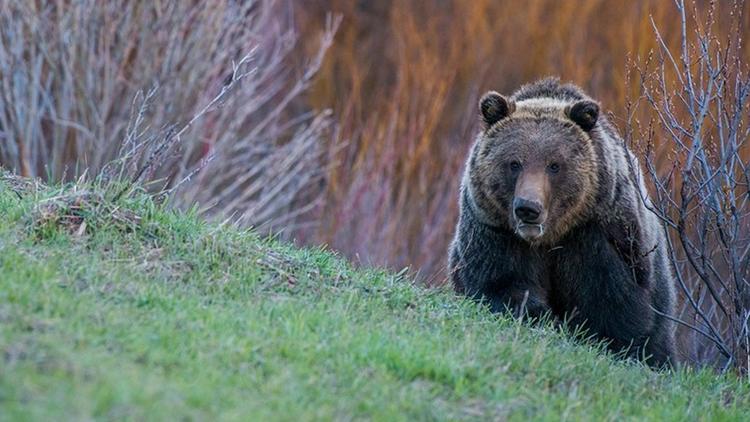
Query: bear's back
549	88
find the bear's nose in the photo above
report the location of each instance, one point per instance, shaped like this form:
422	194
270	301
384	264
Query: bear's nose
527	211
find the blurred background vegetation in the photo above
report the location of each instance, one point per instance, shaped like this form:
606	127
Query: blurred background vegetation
403	79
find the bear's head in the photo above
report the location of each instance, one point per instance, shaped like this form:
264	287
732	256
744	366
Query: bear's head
533	168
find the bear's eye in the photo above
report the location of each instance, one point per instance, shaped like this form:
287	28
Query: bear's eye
515	166
553	168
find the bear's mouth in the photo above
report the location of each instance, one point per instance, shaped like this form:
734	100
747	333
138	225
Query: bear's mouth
528	231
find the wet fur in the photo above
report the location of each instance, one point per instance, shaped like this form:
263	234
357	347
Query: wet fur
602	262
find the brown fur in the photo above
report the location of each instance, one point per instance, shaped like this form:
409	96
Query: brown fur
554	220
527	122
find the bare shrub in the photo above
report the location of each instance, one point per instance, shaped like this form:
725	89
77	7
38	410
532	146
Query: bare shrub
690	123
209	92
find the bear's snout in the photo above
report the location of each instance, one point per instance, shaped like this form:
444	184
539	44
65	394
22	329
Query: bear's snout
527	211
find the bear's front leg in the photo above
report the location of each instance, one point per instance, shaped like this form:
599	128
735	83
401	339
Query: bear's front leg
504	276
522	298
596	288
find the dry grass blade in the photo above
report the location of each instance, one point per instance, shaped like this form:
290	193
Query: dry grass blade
18	184
78	212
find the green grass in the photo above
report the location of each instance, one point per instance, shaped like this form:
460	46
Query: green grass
172	318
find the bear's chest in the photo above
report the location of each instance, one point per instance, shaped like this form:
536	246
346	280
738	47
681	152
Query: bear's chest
585	267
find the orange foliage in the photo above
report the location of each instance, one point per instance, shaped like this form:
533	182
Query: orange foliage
403	78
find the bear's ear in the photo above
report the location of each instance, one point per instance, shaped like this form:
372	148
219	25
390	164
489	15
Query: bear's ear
584	113
493	107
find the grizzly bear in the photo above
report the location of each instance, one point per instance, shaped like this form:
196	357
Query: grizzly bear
554	220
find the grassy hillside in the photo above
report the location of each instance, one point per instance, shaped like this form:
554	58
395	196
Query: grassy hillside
127	311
